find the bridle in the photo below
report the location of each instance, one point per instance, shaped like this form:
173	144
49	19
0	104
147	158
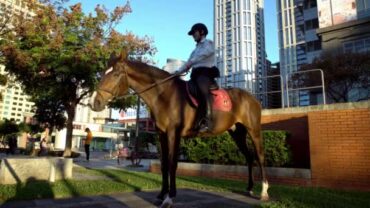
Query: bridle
141	91
115	93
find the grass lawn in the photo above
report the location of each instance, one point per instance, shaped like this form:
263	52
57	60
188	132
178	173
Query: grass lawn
99	182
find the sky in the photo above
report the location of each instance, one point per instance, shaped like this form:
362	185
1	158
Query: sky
168	21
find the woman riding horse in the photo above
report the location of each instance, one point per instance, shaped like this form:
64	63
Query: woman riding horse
166	96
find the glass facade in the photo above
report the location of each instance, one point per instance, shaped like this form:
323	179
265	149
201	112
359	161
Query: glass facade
240	43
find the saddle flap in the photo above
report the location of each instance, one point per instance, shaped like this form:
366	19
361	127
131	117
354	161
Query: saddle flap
221	99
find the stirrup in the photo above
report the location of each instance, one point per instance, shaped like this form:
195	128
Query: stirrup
204	125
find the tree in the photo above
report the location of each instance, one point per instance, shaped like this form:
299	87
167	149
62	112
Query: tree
49	111
343	73
10	19
60	52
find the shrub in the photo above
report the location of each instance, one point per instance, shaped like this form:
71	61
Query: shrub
223	150
277	152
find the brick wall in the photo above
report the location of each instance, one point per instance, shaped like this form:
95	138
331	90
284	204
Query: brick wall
297	127
340	148
332	140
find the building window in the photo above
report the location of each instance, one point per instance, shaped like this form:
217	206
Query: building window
311	24
363	8
357	46
308	4
313	46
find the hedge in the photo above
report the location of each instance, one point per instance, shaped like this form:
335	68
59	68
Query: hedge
223	150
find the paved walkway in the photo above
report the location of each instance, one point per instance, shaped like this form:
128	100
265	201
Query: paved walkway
186	198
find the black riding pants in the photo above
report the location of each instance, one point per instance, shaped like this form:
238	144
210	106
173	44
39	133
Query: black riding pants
203	84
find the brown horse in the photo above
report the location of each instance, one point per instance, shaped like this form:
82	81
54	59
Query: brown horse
174	115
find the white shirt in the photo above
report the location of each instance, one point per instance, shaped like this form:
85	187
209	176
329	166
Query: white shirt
202	56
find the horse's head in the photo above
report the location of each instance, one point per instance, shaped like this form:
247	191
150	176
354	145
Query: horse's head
113	83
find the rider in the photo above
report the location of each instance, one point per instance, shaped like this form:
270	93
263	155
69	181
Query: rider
202	61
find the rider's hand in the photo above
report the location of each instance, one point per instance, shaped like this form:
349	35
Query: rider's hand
184	68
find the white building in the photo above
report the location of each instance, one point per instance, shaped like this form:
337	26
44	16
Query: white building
14	105
240	44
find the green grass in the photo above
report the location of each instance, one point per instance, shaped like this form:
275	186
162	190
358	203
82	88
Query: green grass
113	181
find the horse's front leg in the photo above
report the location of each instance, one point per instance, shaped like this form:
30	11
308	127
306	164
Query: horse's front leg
164	166
173	150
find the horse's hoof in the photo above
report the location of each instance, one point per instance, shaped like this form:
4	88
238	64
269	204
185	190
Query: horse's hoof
158	202
167	203
250	193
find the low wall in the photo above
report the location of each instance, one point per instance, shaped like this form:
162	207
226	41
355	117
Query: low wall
17	170
291	176
331	141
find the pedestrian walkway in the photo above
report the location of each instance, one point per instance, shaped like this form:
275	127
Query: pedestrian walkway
186	198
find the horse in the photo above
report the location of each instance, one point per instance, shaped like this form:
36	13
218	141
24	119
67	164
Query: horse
167	98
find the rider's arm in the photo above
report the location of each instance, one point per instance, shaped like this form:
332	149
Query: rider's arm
203	51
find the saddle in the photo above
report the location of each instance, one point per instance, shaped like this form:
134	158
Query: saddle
221	99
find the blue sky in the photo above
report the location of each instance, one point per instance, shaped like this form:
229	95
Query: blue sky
168	21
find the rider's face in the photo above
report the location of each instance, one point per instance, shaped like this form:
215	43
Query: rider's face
197	37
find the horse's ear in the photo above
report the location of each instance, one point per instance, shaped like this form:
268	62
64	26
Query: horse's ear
123	55
112	58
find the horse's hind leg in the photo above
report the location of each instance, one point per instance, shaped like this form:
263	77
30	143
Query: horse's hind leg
256	136
164	165
240	138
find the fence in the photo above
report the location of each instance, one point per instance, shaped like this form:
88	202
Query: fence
288	90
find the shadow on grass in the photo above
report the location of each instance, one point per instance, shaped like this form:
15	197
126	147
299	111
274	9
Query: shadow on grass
32	189
116	178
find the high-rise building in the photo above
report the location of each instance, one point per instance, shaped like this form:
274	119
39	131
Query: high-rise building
345	28
240	44
14	104
274	91
298	41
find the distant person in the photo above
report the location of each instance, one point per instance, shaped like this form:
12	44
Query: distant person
12	143
122	153
88	139
43	148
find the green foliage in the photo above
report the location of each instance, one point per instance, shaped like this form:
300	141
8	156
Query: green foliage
277	152
343	73
123	103
57	54
8	127
223	150
215	150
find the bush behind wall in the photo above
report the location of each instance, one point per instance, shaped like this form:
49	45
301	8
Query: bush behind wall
223	150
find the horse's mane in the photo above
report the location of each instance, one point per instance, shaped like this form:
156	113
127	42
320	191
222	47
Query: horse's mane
149	69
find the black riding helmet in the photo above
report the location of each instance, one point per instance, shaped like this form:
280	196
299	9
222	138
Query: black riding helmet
198	27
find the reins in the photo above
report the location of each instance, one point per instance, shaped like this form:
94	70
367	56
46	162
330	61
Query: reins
149	87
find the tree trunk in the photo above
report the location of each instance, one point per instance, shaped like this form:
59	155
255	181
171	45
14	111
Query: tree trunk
71	114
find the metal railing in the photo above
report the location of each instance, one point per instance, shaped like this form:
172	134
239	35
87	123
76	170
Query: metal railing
285	89
305	88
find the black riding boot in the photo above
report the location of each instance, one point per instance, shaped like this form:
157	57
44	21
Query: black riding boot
206	124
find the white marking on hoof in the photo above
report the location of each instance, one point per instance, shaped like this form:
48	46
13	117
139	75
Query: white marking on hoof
167	203
250	193
264	194
232	128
